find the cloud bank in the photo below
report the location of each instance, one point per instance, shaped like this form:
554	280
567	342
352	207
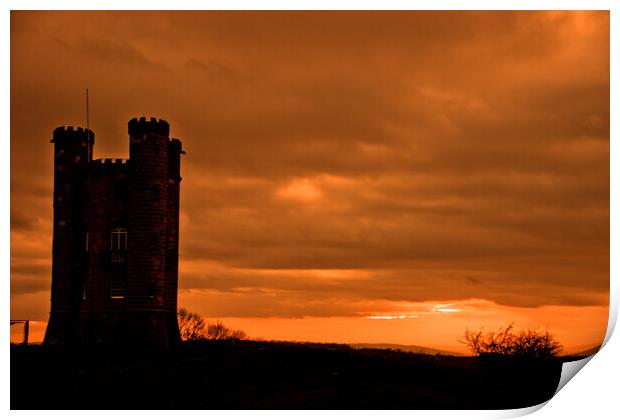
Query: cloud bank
341	163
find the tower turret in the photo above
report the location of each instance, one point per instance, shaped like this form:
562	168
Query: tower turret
72	152
147	232
172	229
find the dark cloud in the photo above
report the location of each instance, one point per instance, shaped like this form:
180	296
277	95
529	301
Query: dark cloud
419	156
112	53
473	280
21	221
214	71
36	281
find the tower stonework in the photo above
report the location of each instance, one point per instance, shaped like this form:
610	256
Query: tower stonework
116	239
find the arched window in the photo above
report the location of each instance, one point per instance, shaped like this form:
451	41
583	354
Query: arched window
118	239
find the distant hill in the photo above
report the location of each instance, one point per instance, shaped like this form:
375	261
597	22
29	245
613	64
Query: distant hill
404	347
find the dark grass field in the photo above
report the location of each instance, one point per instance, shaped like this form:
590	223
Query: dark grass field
271	375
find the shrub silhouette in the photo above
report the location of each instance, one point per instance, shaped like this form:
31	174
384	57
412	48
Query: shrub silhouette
530	343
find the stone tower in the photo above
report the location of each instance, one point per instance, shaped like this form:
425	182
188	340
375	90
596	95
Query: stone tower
116	239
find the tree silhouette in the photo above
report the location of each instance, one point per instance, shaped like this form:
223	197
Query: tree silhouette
191	325
530	343
219	331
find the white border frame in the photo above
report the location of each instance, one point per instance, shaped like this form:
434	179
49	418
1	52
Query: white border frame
594	393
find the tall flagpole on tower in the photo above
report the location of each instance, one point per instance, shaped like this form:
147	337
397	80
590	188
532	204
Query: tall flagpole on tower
87	129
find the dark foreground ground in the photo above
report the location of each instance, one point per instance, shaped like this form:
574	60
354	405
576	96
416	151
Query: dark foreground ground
271	375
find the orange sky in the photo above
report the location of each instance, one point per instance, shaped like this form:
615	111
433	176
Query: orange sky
451	168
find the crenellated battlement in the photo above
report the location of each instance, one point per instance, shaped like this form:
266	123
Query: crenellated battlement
106	165
109	161
139	127
71	133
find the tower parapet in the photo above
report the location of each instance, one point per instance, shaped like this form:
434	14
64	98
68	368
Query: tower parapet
139	127
79	140
99	165
68	131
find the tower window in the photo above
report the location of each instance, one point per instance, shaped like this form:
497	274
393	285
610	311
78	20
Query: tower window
118	239
117	289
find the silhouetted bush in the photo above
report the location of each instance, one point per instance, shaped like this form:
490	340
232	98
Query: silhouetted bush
530	343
